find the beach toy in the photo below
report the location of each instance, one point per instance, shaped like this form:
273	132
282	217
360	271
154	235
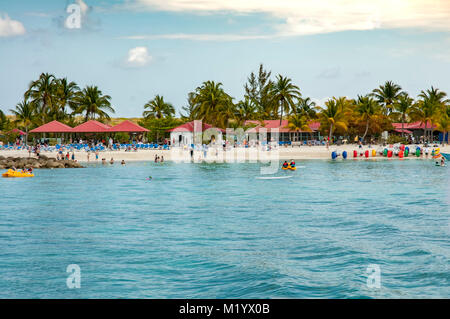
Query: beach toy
437	153
418	152
12	173
385	152
400	154
374	153
366	153
355	154
389	154
402	147
333	155
406	152
344	154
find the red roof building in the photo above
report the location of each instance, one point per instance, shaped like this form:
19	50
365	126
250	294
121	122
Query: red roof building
128	126
91	126
53	127
413	126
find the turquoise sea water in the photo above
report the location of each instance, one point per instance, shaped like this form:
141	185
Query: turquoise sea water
214	231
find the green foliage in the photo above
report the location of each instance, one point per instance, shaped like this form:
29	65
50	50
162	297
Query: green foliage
394	139
122	137
158	108
158	127
212	105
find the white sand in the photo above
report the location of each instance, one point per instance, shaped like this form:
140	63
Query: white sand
283	153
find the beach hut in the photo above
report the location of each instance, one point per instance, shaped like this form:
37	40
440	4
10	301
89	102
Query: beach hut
129	127
91	126
53	127
184	134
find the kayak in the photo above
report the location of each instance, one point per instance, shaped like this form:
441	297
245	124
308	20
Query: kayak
11	173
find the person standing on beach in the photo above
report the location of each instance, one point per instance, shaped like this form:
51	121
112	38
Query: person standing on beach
96	155
88	155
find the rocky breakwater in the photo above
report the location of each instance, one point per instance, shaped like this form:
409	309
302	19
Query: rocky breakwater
31	162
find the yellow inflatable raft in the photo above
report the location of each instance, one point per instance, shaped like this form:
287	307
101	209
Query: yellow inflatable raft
11	173
289	167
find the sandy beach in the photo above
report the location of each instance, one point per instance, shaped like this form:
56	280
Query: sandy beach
177	154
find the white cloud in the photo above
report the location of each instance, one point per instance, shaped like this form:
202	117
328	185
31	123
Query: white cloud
138	57
9	27
302	17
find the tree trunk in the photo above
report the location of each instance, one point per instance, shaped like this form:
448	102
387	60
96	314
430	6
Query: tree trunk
403	125
331	133
365	133
426	132
282	106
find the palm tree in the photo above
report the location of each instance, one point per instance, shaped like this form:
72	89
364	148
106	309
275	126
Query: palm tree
366	107
434	95
402	107
212	104
93	103
298	122
25	113
387	94
42	93
245	110
333	116
283	94
158	108
431	103
306	107
443	125
4	121
425	111
66	93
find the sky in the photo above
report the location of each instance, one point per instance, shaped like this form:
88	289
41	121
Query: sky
135	49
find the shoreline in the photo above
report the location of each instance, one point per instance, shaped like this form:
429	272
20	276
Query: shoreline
240	154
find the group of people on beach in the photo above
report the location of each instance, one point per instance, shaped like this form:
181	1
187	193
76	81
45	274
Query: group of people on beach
159	159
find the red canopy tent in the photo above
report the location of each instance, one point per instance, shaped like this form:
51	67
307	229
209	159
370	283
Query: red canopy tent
91	126
128	126
53	127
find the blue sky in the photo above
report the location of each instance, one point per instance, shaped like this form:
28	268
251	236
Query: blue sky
133	50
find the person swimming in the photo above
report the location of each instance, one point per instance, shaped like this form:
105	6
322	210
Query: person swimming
123	162
292	163
111	161
442	161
